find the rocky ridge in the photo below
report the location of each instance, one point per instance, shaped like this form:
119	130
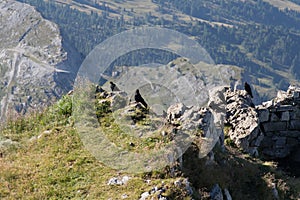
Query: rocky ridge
270	130
199	123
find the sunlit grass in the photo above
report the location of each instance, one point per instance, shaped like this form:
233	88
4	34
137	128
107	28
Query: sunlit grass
51	162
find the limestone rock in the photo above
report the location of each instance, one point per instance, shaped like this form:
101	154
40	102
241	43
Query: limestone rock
175	111
198	123
280	124
271	128
275	191
144	196
6	145
30	53
118	181
216	193
118	101
243	118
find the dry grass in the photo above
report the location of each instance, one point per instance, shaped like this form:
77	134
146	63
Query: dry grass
52	163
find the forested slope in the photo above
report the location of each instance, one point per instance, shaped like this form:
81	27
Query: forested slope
254	35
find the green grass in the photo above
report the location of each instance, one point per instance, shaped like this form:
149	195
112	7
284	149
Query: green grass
51	162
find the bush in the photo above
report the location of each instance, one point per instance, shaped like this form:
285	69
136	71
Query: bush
64	106
102	108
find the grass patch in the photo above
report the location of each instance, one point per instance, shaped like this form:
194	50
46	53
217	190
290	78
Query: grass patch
52	163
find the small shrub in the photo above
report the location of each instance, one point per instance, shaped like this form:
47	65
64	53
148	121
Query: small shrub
226	130
102	108
64	106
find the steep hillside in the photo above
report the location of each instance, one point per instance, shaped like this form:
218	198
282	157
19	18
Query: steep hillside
260	36
30	51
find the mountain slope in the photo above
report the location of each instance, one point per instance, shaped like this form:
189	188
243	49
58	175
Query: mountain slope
49	161
30	50
258	36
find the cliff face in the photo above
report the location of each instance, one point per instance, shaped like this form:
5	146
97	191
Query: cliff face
30	50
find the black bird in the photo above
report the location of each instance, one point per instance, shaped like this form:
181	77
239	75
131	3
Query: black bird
248	89
138	98
113	86
99	89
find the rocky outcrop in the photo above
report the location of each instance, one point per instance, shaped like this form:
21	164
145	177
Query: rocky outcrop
280	123
199	123
244	122
182	125
273	128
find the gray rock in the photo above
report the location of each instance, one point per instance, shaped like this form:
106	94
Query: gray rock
291	142
118	101
274	126
244	121
294	125
296	155
290	133
275	117
253	151
285	116
31	49
175	111
114	181
267	142
280	142
200	124
268	103
188	187
227	194
184	184
281	152
162	198
216	193
118	181
282	129
178	183
217	101
210	158
263	115
144	196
